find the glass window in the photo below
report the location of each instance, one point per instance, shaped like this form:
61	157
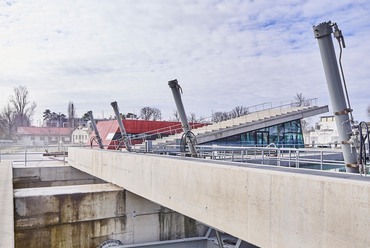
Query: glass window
287	134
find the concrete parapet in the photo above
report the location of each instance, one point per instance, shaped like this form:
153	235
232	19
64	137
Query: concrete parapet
266	206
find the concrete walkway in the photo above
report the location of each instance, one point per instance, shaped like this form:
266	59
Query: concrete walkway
6	205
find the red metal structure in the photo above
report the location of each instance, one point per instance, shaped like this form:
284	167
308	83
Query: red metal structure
138	130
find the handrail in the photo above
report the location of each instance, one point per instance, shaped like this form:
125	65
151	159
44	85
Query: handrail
166	130
289	157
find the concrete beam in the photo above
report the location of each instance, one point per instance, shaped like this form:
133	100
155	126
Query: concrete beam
266	206
46	176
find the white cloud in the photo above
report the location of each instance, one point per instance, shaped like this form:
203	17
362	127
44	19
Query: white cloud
224	53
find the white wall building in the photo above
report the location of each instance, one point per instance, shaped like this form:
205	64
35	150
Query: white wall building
325	133
81	135
39	136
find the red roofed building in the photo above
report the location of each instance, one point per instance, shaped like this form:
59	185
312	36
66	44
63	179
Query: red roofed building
30	136
137	130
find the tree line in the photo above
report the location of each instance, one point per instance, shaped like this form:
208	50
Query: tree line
19	111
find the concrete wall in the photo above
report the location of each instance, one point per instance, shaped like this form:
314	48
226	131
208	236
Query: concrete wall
68	216
86	215
6	205
268	207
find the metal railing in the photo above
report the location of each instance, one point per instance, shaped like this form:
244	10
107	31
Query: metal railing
304	158
34	154
164	131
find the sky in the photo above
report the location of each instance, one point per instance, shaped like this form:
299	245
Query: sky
223	53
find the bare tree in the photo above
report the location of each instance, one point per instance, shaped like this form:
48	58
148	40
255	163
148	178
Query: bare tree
175	113
71	115
368	111
157	115
192	118
300	100
149	113
238	111
220	116
7	122
146	113
23	108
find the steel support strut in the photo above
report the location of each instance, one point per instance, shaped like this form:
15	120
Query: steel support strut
189	137
323	35
124	136
93	124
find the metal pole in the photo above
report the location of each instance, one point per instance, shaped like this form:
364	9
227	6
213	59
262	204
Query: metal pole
95	128
219	240
190	139
25	156
64	155
323	33
124	136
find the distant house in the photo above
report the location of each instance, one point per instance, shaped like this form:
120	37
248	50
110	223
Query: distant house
81	134
325	133
39	136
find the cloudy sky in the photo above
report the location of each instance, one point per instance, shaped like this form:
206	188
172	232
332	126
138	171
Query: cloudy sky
223	53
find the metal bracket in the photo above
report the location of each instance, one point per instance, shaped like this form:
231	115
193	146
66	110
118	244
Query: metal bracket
338	35
344	111
238	243
323	29
352	165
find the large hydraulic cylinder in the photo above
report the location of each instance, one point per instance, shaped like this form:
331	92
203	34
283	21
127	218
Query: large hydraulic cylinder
175	87
121	127
95	128
323	35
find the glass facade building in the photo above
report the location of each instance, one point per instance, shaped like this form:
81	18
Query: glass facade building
287	134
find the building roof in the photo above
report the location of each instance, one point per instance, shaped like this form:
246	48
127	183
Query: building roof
44	131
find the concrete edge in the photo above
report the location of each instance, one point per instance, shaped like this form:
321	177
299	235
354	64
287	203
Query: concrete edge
6	205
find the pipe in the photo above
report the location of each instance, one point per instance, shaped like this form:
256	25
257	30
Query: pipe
323	33
95	128
190	138
124	136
